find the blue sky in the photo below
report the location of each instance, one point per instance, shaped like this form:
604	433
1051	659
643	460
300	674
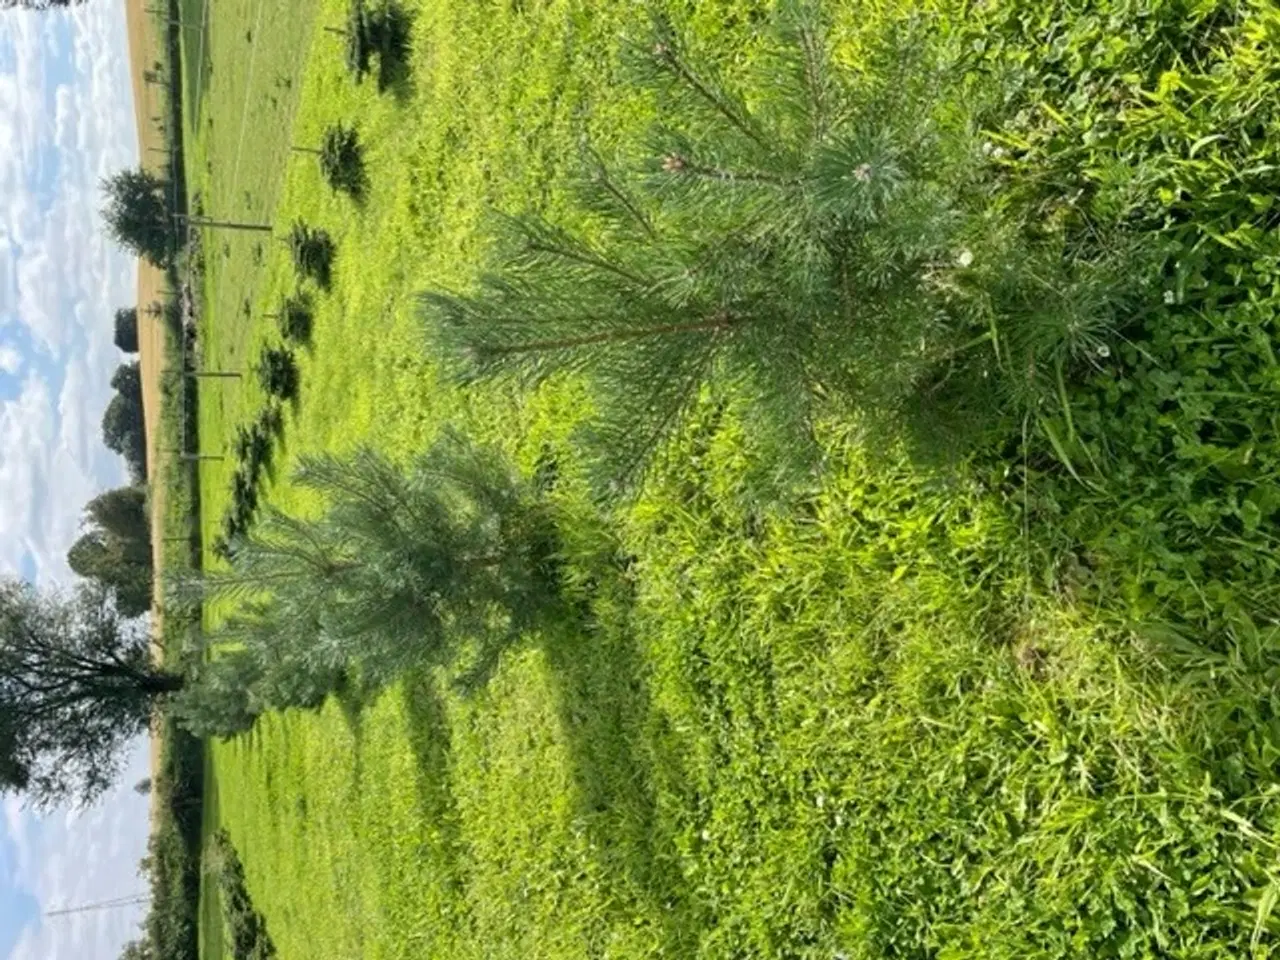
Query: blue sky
66	121
19	908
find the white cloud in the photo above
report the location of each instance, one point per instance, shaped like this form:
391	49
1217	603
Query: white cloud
83	858
10	359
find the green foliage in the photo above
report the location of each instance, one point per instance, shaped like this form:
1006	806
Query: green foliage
1161	124
76	686
138	215
172	864
123	422
115	551
399	567
809	234
246	928
38	4
342	161
313	252
254	449
126	330
137	950
295	319
382	31
278	373
857	728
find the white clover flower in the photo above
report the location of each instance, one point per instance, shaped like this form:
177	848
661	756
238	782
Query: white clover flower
964	259
1104	351
822	801
1168	296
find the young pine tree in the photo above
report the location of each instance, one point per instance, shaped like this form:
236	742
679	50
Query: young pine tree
817	232
342	161
400	567
784	238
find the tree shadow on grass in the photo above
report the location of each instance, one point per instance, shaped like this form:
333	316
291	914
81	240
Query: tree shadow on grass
245	926
431	742
623	758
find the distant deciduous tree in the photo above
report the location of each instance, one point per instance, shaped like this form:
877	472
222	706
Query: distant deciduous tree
126	336
138	950
115	550
123	425
137	214
77	684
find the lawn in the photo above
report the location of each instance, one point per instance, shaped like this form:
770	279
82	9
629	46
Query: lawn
870	726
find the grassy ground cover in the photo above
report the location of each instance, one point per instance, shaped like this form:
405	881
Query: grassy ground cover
176	838
891	722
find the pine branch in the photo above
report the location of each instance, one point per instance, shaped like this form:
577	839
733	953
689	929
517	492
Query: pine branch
716	324
666	56
604	181
677	164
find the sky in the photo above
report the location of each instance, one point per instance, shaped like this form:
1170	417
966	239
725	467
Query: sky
66	121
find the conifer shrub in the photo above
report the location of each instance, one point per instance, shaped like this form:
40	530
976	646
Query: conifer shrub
401	567
811	240
381	32
342	161
313	251
278	373
295	319
246	928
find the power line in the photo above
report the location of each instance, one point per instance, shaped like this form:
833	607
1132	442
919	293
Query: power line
127	901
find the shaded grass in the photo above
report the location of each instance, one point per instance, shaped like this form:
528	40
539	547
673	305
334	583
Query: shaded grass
175	844
212	930
858	729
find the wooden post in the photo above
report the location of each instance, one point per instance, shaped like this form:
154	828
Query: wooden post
194	456
228	224
206	374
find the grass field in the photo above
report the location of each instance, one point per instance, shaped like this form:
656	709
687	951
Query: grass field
860	729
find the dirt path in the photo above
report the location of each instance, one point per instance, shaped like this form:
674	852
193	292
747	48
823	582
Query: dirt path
144	47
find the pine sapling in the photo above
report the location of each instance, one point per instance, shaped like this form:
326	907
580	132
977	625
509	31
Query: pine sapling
313	251
341	160
295	319
399	568
778	250
278	373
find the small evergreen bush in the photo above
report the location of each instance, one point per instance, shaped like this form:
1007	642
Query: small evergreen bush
400	568
813	239
278	373
380	31
254	450
342	161
246	928
313	251
295	319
